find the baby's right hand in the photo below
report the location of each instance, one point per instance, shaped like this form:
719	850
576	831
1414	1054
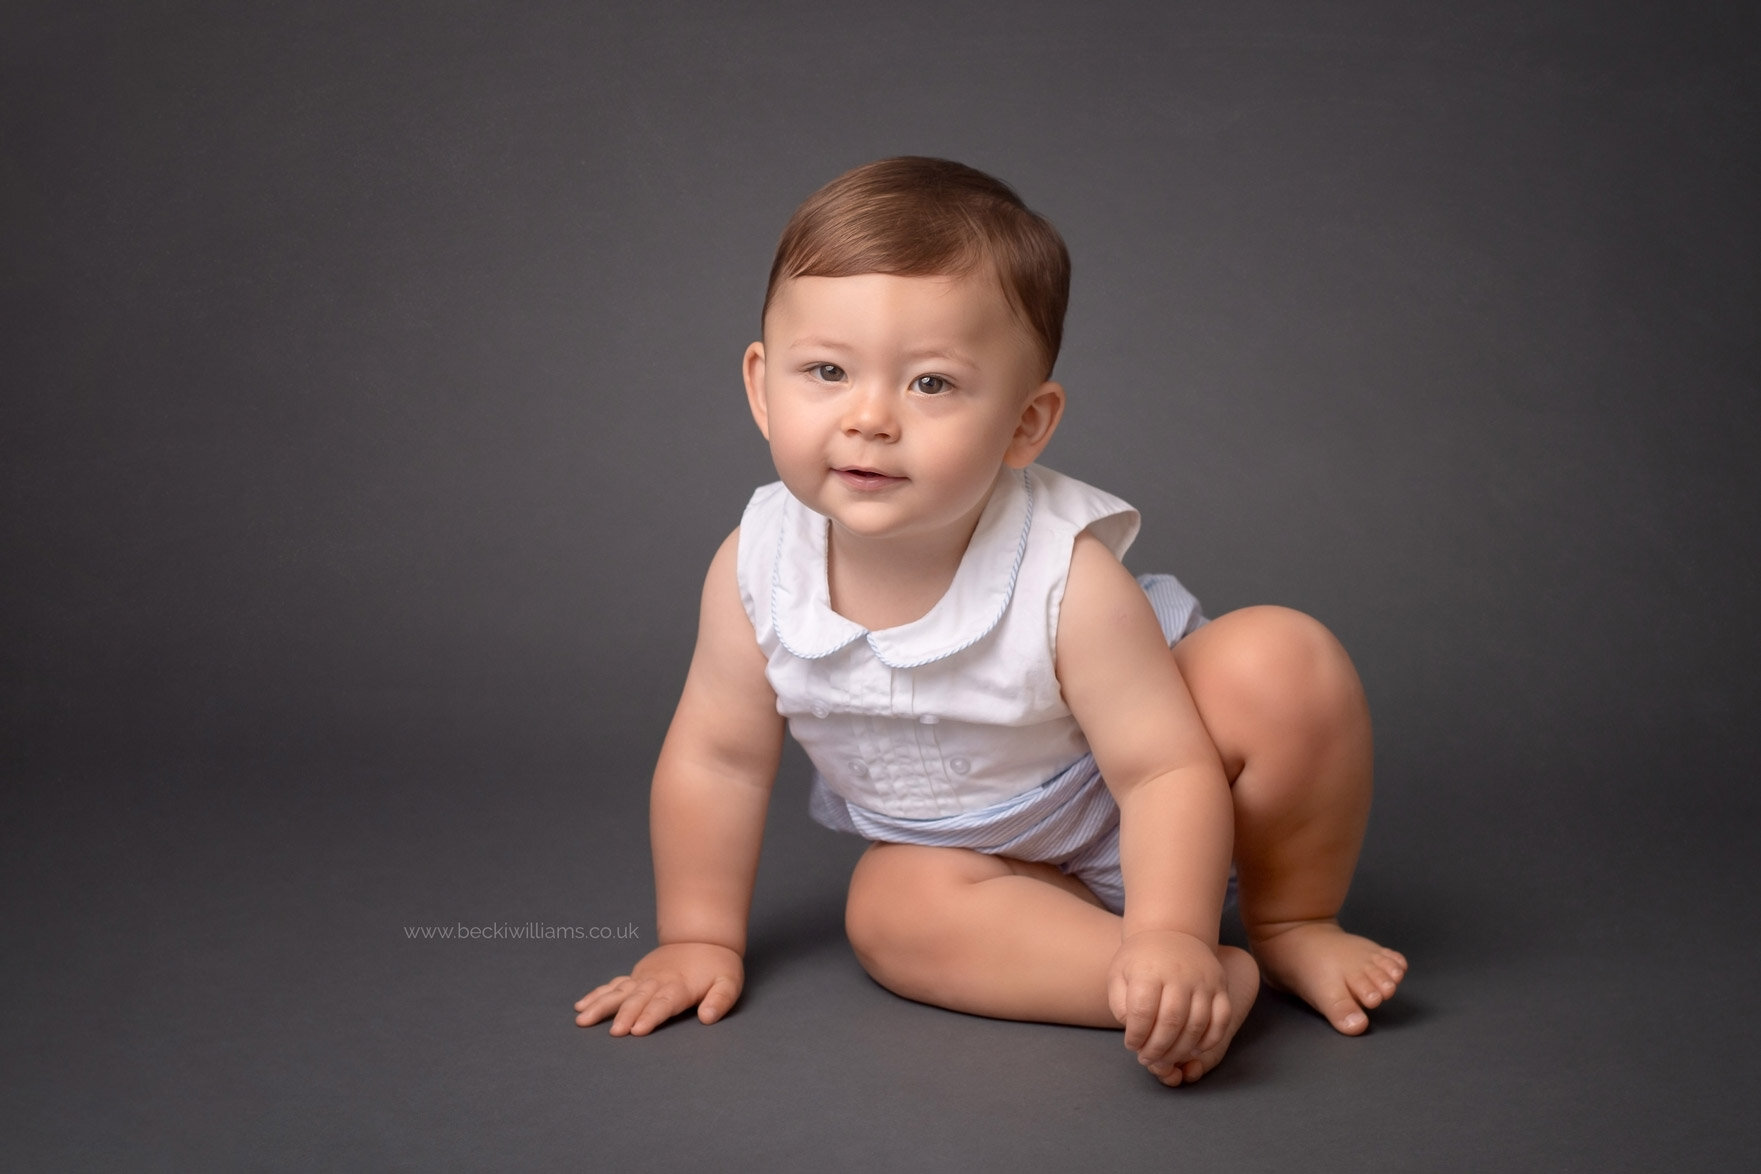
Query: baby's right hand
670	980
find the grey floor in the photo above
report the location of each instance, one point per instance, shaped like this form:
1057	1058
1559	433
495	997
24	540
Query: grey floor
370	411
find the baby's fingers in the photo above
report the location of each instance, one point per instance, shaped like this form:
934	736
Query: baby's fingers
1173	1024
1220	1015
1137	1004
649	1005
601	1001
1116	997
722	993
1195	1011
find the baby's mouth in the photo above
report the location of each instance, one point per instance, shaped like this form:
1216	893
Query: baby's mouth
867	478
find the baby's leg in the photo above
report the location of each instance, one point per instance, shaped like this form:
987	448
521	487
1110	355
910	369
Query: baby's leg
993	936
1284	705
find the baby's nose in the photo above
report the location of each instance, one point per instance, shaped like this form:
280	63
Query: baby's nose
870	413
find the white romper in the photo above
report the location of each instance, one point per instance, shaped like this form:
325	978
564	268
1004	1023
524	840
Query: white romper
950	730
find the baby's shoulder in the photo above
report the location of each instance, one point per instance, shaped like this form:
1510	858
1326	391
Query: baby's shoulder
756	544
1096	577
765	508
1066	504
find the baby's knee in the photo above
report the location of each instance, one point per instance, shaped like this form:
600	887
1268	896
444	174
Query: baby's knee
1284	666
891	918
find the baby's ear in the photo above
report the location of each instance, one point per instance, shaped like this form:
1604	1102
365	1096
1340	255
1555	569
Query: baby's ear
752	369
1039	419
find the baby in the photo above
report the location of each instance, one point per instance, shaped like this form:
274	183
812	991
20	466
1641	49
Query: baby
1056	763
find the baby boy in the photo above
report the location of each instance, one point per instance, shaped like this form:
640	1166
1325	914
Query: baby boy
1056	763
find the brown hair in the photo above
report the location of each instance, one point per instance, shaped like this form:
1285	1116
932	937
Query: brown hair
919	217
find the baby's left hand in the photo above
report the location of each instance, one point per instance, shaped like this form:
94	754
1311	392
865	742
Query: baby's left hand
1169	990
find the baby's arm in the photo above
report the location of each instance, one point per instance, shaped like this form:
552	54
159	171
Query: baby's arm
1176	826
706	818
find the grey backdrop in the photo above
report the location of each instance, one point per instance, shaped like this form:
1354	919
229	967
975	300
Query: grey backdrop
371	409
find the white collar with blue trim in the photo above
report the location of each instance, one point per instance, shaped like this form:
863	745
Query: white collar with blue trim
800	600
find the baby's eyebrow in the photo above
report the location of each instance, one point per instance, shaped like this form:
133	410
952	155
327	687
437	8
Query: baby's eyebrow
816	343
928	354
943	354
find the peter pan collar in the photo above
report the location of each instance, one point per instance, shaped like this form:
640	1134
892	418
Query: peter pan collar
800	600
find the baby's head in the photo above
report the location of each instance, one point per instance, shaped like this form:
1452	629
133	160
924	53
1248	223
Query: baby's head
914	312
919	217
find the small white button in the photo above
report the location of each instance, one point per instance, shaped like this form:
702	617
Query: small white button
859	768
928	719
959	765
821	709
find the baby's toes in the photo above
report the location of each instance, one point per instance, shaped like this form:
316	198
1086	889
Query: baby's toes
1368	988
1168	1072
1346	1013
1175	1075
1387	968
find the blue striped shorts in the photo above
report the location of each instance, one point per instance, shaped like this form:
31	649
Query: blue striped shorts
1070	820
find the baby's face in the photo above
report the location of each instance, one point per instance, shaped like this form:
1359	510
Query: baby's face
892	403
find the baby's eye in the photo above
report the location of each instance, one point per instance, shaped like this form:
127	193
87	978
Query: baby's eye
827	372
929	384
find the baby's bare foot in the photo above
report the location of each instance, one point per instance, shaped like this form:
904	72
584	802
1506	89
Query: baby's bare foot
1338	974
1244	984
